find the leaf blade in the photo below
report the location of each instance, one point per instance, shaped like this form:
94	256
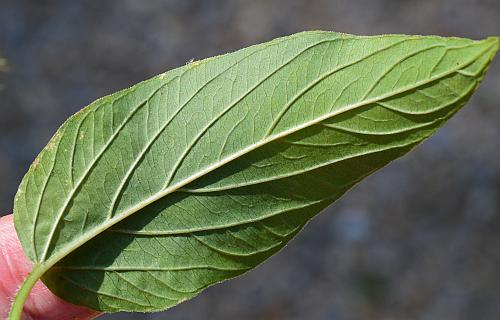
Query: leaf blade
274	130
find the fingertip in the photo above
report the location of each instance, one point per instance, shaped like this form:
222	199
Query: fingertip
42	304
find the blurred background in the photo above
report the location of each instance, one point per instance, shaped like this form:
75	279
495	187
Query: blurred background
419	239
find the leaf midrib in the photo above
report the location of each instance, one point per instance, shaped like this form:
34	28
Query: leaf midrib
298	172
71	246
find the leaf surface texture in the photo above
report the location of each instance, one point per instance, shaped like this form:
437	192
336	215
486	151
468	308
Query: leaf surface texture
147	196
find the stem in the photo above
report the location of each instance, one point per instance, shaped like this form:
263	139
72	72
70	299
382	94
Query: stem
16	310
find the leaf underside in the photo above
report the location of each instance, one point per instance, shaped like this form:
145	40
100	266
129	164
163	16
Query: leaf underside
147	196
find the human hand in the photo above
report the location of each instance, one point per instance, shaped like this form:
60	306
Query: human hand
14	267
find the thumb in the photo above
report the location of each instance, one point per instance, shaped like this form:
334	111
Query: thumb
41	304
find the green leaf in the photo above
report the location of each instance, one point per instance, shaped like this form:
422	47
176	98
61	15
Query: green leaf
147	196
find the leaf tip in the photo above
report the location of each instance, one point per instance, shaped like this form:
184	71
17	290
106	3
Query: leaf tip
497	40
495	43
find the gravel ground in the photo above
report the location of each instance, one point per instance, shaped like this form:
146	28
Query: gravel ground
419	239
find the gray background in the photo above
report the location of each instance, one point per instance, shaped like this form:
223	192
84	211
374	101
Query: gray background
419	239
